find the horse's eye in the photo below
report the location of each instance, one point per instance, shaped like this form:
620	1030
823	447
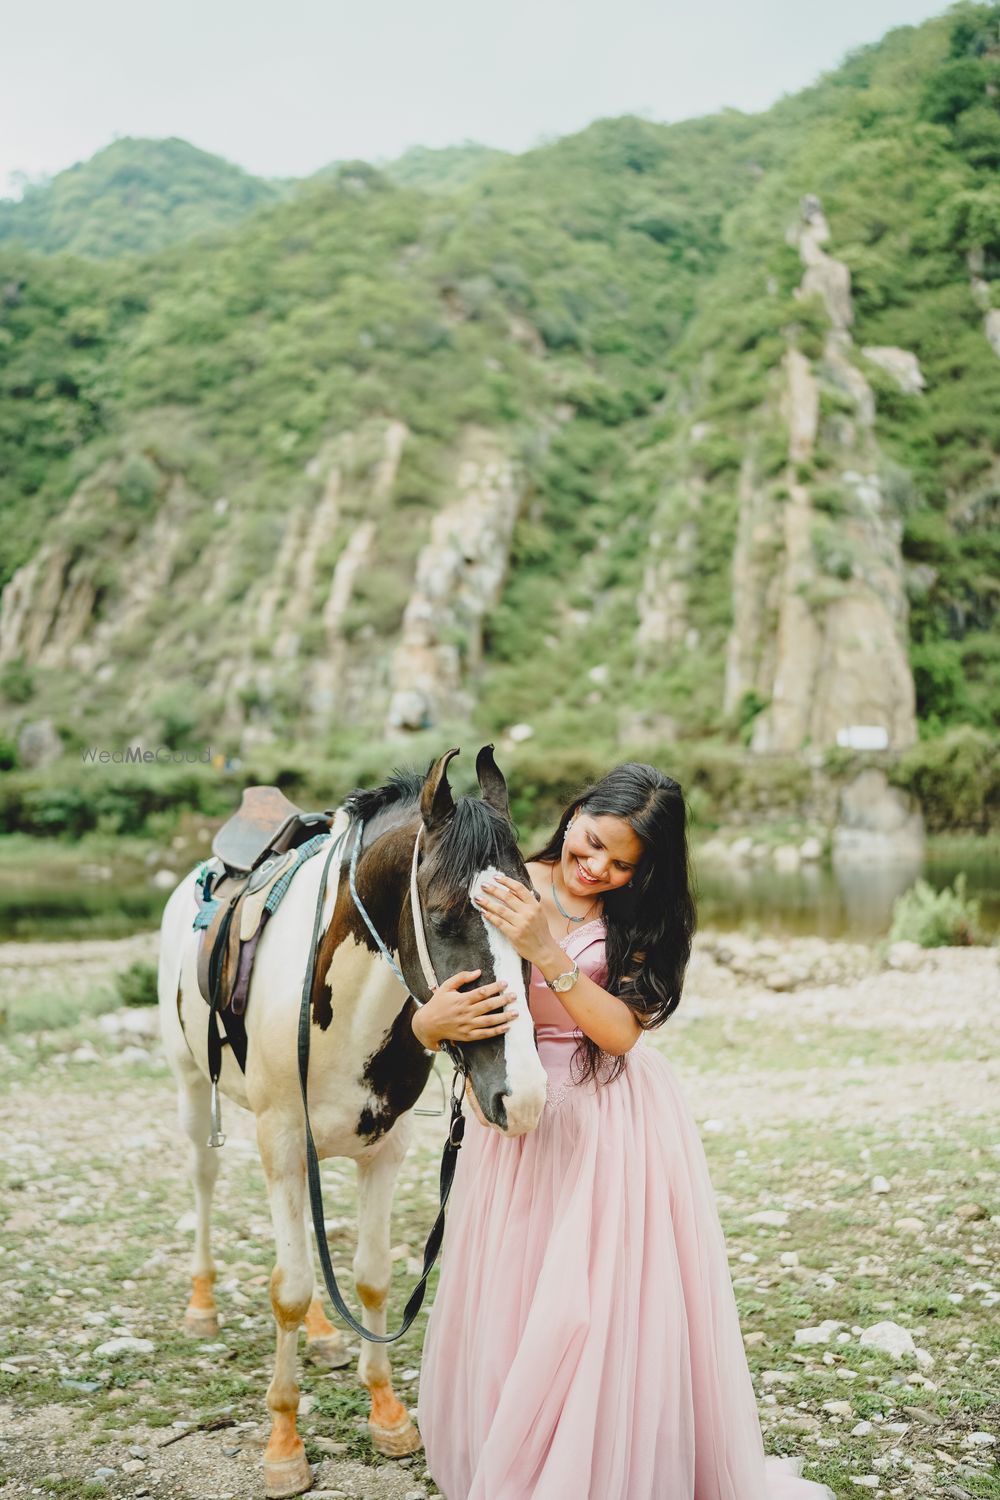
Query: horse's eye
442	923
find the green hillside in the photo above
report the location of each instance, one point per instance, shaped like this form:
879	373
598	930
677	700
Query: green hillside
526	450
134	196
442	169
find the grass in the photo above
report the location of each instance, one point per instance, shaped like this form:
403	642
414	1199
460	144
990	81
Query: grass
95	1155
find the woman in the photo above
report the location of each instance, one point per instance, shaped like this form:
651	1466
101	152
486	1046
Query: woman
585	1342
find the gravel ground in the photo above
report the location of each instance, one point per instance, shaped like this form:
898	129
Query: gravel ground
849	1097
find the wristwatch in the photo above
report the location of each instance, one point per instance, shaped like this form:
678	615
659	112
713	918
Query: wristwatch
564	982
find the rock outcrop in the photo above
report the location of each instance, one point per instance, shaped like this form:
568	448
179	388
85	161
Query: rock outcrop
820	609
459	577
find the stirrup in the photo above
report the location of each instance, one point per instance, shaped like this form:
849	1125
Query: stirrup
216	1138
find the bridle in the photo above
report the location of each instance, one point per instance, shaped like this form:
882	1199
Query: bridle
456	1126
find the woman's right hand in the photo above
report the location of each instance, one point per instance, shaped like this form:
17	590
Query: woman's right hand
456	1015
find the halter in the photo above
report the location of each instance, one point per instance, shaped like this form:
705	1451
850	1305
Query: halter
423	952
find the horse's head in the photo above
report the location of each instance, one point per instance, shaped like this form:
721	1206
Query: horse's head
462	840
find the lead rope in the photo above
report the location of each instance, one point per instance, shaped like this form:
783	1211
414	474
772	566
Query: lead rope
456	1127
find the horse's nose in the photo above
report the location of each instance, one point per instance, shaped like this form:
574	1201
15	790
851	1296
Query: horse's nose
498	1108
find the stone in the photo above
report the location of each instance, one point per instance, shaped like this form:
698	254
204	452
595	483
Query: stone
810	849
968	1212
862	1429
880	1185
866	1481
890	1338
776	1218
901	364
909	1226
38	744
839	1408
906	956
877	820
821	1334
133	1466
116	1348
978	1440
789	1257
519	733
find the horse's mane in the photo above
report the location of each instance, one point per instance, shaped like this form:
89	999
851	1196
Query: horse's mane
402	788
476	836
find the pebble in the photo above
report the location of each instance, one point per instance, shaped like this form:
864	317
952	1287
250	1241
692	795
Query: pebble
115	1348
929	1418
862	1429
909	1226
890	1338
839	1408
967	1212
880	1185
777	1218
822	1334
789	1257
133	1466
978	1440
866	1481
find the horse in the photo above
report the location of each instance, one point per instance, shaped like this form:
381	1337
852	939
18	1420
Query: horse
367	1068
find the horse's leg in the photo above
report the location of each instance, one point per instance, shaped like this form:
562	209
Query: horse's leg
286	1468
389	1423
324	1343
193	1099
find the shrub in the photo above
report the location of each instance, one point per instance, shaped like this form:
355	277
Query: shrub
137	984
936	919
955	777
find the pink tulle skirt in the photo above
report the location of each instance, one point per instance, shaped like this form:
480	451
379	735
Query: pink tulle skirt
585	1340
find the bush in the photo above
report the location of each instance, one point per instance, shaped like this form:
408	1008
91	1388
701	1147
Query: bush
936	919
955	778
137	984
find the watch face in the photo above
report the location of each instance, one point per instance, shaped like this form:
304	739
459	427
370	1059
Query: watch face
564	982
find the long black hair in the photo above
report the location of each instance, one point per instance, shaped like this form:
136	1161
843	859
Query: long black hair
650	922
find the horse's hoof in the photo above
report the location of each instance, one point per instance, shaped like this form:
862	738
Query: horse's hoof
329	1351
287	1476
396	1442
201	1322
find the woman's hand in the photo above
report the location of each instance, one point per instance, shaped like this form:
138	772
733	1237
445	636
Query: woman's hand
515	911
456	1015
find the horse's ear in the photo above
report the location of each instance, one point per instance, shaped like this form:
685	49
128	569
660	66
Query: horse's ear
491	782
436	802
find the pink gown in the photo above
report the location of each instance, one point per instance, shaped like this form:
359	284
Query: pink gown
585	1343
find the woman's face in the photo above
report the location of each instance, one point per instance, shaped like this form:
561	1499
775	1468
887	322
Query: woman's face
599	854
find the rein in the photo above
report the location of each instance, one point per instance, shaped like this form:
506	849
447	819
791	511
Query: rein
456	1126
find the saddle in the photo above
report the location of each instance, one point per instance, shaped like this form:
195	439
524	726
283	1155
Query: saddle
255	855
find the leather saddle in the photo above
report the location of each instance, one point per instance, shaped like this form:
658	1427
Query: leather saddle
258	846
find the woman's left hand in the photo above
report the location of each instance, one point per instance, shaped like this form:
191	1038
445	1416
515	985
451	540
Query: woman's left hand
517	913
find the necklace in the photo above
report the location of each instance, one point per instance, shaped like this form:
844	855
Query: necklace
555	897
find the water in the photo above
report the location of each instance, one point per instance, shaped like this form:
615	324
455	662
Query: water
812	901
853	902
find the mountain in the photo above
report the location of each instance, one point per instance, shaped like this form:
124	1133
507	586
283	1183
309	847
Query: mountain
653	436
135	195
443	169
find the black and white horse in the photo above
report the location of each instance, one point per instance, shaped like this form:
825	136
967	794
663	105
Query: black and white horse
366	1071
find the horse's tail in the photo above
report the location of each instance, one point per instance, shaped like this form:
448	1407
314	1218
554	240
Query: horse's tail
175	933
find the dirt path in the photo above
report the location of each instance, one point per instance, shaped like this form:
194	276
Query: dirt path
816	1074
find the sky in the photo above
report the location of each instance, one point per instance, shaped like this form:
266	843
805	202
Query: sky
284	88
